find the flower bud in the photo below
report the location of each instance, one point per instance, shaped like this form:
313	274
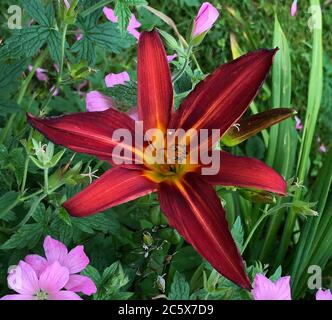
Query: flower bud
206	17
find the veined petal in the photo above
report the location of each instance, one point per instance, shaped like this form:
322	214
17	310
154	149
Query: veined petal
37	262
155	91
64	295
116	186
220	99
53	278
54	250
76	260
247	173
248	127
88	132
194	209
78	283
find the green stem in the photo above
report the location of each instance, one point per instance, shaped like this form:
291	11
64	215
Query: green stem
184	67
46	180
63	43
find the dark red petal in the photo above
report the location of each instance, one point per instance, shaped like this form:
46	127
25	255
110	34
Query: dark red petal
88	132
193	208
155	91
116	186
247	173
219	100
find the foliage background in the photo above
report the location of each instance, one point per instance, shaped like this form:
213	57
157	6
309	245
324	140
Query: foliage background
133	253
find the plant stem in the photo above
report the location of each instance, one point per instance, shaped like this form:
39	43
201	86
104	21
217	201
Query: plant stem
63	43
184	67
46	180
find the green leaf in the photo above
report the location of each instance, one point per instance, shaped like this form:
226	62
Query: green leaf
26	236
105	36
238	233
93	274
54	45
277	274
7	202
124	95
10	72
95	223
9	106
123	13
37	11
24	42
179	288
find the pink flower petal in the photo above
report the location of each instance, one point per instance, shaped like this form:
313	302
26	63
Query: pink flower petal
76	260
171	57
18	297
64	295
323	295
265	289
53	278
294	8
110	15
95	101
37	262
133	22
78	283
54	250
322	148
298	124
23	279
114	79
67	4
207	16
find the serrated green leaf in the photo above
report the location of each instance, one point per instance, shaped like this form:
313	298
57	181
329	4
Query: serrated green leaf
179	288
24	42
277	274
54	45
238	233
27	236
124	95
37	11
10	72
95	223
123	13
7	202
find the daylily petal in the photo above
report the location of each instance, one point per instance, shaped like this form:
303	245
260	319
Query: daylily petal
37	262
116	186
64	295
247	173
54	250
220	100
194	209
155	91
87	132
96	101
18	297
76	260
248	127
78	283
53	278
23	279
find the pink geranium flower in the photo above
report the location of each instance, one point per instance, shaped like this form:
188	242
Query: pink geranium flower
294	8
322	148
133	23
323	295
96	101
298	124
41	73
170	58
114	79
75	261
265	289
206	17
47	285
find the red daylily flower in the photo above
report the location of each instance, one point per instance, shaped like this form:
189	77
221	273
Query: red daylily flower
187	198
